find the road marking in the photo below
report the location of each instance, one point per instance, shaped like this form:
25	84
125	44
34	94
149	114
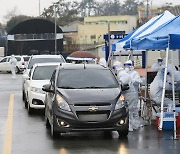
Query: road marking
9	125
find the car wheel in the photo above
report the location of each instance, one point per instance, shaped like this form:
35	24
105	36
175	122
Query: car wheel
46	119
30	110
17	70
54	134
123	133
26	104
23	96
24	99
47	122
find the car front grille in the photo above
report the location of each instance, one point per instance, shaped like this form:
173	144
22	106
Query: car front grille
94	104
97	116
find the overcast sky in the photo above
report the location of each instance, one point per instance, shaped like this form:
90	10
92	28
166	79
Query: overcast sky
31	7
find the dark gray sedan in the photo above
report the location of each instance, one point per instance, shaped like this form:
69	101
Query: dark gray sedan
84	97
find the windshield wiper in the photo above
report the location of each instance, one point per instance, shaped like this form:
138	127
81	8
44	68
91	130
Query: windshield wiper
66	87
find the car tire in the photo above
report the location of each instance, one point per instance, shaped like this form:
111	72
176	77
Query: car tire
17	70
47	122
54	134
30	110
24	99
123	133
46	118
23	96
26	104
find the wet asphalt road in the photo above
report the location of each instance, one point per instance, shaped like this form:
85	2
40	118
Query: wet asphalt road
28	134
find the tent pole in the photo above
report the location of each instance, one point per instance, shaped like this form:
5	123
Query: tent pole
146	86
146	90
145	95
163	93
132	58
173	92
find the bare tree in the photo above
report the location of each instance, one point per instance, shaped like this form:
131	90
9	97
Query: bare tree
10	14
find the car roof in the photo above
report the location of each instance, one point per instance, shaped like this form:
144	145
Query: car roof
46	56
46	64
10	56
81	66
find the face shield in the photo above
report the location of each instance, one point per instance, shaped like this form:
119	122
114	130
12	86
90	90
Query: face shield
127	67
160	61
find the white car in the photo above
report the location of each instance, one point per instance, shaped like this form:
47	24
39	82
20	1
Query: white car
43	59
39	75
39	59
5	64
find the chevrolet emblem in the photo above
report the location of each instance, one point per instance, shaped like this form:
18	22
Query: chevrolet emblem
93	108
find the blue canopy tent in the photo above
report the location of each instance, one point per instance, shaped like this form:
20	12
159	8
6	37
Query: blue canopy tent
166	37
144	30
158	39
174	41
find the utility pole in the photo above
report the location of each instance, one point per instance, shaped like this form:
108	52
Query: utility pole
55	33
39	7
147	10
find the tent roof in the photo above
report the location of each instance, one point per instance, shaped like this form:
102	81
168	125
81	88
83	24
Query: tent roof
158	39
145	29
174	41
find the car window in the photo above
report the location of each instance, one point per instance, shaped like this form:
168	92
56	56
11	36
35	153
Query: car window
8	59
42	60
26	58
18	58
86	78
4	60
43	72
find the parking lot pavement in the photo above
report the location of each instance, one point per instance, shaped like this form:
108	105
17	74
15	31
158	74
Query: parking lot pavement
26	133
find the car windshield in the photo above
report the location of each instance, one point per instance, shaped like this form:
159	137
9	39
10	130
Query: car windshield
18	58
43	60
43	72
26	58
86	78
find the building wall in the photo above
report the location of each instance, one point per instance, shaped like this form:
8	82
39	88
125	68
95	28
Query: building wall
142	13
94	28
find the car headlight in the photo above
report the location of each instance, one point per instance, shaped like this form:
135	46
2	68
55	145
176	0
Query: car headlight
120	103
62	103
37	90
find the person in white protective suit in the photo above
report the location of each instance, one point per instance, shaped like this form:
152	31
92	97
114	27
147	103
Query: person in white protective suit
102	62
158	65
13	62
132	78
156	88
117	66
177	80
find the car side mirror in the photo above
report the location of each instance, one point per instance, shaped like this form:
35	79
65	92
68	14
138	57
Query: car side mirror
46	88
25	76
125	87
